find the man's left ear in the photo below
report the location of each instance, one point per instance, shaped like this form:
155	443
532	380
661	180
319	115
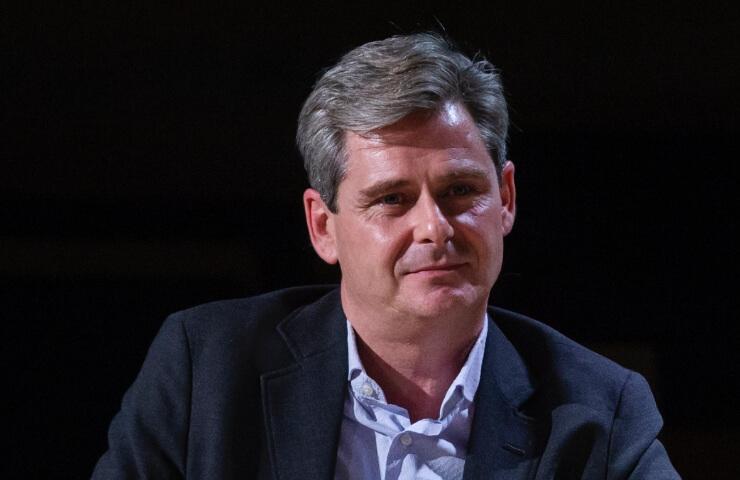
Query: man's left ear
508	198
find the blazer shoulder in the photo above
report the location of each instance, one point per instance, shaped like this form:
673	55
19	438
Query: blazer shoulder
562	370
270	308
245	328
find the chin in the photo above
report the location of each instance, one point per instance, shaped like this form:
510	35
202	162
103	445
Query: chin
445	300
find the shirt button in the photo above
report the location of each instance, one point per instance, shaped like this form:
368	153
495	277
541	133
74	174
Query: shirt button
406	440
367	390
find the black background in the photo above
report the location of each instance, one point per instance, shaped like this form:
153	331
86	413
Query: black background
148	165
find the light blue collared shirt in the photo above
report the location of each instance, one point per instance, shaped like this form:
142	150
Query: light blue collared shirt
378	440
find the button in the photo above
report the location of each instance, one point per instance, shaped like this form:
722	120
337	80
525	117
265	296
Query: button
367	390
406	440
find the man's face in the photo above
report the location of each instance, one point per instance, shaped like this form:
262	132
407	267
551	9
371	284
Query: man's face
420	216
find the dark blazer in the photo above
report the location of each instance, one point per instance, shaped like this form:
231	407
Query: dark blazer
254	388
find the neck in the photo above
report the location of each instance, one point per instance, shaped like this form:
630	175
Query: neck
415	360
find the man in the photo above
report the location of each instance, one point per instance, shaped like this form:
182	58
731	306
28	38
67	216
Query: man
404	371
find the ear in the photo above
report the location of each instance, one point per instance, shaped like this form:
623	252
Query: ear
319	220
508	198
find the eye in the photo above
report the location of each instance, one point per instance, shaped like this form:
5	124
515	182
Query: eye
460	190
391	199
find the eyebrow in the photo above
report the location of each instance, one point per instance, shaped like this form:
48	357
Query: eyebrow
467	171
383	186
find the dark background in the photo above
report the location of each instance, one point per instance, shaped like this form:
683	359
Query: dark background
148	165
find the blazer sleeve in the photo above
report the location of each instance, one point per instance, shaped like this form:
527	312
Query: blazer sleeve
147	439
634	450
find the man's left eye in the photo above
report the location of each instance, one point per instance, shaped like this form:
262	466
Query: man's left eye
460	190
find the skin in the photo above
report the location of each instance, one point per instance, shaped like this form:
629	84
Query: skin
418	235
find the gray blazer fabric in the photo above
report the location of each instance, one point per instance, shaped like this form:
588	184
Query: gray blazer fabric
254	388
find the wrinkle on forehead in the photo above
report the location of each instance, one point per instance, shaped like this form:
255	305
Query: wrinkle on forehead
424	129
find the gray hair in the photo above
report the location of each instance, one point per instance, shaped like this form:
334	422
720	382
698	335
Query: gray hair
379	83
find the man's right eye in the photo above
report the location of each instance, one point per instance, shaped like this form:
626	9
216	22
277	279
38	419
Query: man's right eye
391	199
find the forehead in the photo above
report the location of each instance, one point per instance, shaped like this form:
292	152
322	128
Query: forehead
451	124
444	140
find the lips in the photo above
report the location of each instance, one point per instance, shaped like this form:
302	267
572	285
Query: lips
437	268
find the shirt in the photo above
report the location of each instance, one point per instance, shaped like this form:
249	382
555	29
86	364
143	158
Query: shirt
378	440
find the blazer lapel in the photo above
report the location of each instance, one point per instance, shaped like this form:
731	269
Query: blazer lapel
502	442
303	402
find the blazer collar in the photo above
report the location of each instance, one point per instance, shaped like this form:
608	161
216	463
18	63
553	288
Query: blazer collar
302	402
503	440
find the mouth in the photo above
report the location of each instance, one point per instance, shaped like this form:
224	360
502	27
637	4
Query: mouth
437	269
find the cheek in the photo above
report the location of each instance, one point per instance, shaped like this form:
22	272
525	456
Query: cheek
480	230
378	243
393	237
483	217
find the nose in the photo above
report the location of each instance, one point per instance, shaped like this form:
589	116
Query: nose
430	223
